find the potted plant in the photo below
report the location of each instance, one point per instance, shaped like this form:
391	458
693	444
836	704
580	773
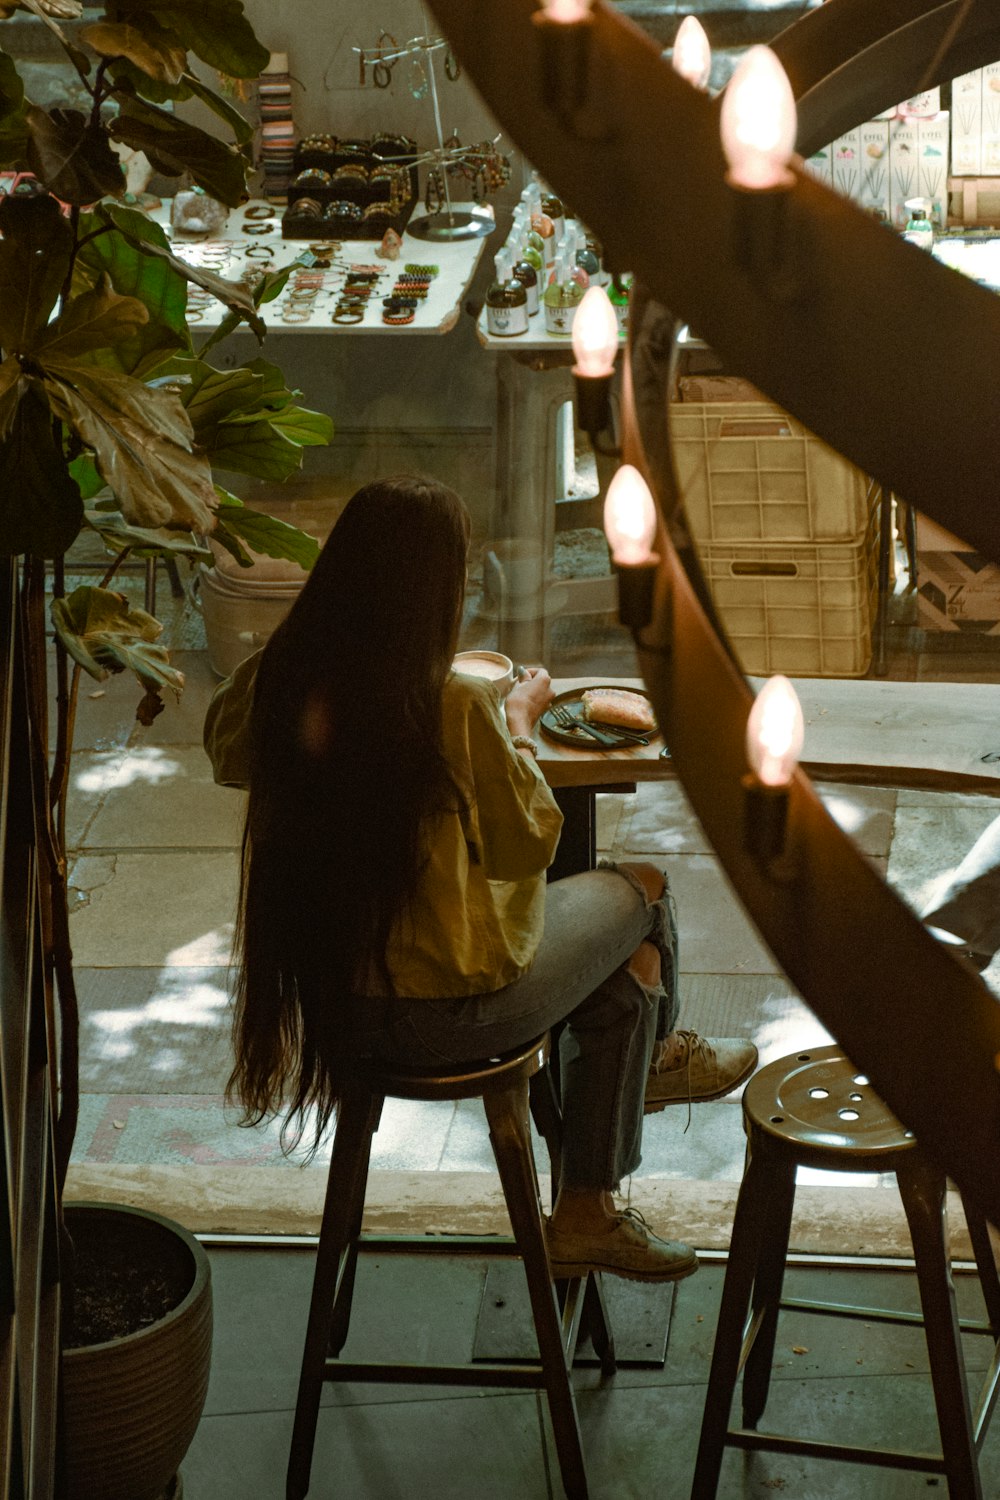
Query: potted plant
111	419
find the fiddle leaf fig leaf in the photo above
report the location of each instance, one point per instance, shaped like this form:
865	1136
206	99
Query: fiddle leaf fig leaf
217	31
270	285
175	148
40	506
148	240
72	156
13	385
262	533
104	635
141	441
154	51
241	127
118	534
94	320
84	471
153	280
34	259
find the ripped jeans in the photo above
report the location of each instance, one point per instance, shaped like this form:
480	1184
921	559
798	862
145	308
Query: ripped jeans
594	922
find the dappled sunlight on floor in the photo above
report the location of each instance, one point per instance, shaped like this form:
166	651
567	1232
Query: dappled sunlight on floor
114	770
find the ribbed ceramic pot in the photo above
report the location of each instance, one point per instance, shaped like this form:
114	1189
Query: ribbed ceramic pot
132	1405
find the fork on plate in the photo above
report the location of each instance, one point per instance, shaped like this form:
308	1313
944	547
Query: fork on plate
609	738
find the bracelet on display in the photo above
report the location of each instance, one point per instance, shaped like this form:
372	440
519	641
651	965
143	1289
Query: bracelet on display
348	315
412	269
296	314
258	228
259	211
259	252
399	319
525	742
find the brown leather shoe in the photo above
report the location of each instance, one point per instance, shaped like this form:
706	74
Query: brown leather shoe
629	1248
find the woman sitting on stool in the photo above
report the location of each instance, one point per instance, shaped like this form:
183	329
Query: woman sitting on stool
394	902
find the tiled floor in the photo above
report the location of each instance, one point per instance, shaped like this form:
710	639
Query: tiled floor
860	1382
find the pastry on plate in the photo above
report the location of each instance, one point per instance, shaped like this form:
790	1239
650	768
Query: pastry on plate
617	706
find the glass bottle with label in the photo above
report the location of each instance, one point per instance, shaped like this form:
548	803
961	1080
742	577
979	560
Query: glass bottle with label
527	244
586	259
562	297
527	274
597	251
553	206
919	229
618	292
506	301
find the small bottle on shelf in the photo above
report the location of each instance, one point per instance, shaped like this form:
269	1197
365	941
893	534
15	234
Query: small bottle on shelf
527	274
586	259
553	206
506	301
527	244
562	297
597	251
618	292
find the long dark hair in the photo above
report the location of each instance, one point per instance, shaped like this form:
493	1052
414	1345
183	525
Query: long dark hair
347	770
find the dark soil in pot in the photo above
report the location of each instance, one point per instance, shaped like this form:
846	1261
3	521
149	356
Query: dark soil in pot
122	1280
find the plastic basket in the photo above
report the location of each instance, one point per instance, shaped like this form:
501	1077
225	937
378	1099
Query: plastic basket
802	609
750	472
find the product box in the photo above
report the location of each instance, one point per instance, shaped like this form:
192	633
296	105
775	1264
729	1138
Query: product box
846	151
932	149
875	165
903	169
991	120
957	589
820	164
922	106
967	124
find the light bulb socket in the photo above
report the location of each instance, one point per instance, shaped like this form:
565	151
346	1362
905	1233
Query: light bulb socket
765	819
636	582
593	401
762	243
564	53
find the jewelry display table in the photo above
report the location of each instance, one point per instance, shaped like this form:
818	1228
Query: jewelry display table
250	240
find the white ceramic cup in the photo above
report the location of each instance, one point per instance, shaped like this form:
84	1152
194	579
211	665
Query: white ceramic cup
492	665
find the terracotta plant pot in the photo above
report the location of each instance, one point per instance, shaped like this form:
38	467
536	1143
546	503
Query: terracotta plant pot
132	1405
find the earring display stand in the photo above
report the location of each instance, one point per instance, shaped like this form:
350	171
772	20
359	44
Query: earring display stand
450	222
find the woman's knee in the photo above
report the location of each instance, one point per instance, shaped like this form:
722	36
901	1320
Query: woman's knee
649	877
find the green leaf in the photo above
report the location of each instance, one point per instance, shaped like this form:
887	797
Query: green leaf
97	319
155	51
141	441
13	384
144	541
241	127
263	533
89	481
231	293
104	635
307	429
71	155
270	285
217	31
153	280
176	148
11	88
34	259
40	507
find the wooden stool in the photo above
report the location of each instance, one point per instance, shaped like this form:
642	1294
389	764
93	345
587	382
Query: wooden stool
503	1085
816	1110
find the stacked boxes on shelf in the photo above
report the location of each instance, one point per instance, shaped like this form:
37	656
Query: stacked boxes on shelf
787	531
957	589
277	128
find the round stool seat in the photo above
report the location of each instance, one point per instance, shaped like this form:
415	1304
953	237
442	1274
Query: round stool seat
825	1112
471	1080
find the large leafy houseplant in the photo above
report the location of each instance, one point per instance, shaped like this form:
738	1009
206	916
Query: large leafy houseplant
110	418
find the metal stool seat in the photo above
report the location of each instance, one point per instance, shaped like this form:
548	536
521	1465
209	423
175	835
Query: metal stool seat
814	1109
503	1085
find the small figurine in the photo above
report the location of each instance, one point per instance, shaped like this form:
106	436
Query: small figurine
390	247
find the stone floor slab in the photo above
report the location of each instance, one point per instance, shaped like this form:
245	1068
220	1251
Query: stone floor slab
155	796
929	843
165	909
150	1031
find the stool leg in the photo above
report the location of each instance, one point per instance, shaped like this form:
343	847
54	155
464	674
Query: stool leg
767	1288
597	1323
749	1227
340	1318
507	1113
547	1116
356	1124
922	1188
982	1249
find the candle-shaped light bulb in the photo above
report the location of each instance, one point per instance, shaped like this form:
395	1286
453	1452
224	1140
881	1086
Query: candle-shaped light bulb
692	54
758	123
566	11
629	518
595	334
775	732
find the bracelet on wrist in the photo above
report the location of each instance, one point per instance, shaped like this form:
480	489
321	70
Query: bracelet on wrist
525	742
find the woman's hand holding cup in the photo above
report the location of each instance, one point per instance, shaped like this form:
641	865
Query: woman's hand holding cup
528	699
